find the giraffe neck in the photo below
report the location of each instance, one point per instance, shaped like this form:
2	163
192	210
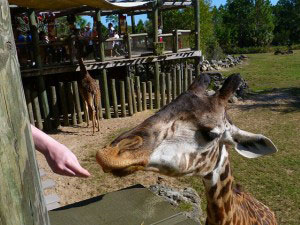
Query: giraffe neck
219	194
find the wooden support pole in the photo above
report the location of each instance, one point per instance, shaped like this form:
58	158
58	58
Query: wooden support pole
169	83
133	24
185	77
100	35
179	87
71	105
128	40
77	101
150	95
163	89
114	98
54	106
63	101
100	102
105	94
156	85
129	96
176	41
21	200
35	38
144	95
155	20
36	110
197	34
174	86
190	74
29	105
139	95
133	96
122	98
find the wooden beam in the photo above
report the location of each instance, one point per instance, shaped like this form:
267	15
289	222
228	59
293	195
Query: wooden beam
197	34
21	199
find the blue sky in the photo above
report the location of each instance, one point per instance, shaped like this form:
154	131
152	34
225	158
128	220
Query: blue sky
144	17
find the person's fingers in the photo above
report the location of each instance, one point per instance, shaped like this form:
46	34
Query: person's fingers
78	170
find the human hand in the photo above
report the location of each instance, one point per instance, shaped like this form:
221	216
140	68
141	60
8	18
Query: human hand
60	159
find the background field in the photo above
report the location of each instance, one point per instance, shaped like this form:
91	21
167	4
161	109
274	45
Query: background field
272	108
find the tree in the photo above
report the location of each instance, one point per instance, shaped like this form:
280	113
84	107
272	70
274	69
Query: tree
140	28
287	20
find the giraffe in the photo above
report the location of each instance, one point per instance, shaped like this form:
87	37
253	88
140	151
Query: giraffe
90	93
190	136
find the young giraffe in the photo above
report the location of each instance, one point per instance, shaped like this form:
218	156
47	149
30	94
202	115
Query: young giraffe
90	93
188	137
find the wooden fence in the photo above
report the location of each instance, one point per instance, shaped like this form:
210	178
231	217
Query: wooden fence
126	98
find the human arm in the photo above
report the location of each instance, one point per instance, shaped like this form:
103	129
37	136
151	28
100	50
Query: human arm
60	159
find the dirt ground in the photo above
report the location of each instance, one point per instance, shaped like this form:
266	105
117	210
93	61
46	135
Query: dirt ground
84	145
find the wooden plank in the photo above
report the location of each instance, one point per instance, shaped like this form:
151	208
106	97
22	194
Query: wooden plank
144	95
51	198
163	89
129	96
77	101
71	104
169	87
63	103
36	110
122	98
29	105
179	87
150	95
48	184
114	98
133	96
21	200
139	95
185	77
54	106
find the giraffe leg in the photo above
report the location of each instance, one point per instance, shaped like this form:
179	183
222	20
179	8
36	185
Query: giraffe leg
92	111
86	113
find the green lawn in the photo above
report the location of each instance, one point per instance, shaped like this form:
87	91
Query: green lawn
275	179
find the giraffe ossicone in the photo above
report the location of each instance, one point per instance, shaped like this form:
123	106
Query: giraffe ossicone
189	137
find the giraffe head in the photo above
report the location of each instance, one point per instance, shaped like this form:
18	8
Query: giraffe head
182	137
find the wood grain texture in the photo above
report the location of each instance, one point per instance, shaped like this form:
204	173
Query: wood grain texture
21	200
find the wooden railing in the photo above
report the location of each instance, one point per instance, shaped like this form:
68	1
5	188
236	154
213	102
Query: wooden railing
132	45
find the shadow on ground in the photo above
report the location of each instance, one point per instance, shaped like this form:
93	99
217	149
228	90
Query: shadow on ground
283	100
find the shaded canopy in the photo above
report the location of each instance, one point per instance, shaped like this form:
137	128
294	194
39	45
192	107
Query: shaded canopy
64	4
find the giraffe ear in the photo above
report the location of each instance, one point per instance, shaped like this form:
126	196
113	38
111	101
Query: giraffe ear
230	85
200	84
251	145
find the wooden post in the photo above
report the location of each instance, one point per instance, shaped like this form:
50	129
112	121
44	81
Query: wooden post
144	95
114	98
133	24
163	89
185	77
71	104
150	95
190	74
174	86
176	41
100	102
29	105
40	80
122	97
139	95
77	101
105	94
21	200
197	34
36	109
54	106
100	35
169	96
179	87
128	40
63	101
156	85
129	96
133	96
155	20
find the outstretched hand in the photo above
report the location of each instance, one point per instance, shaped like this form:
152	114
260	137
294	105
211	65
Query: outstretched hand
60	159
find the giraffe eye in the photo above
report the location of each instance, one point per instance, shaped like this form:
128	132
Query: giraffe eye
209	136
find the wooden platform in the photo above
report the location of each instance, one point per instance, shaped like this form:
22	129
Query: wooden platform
134	205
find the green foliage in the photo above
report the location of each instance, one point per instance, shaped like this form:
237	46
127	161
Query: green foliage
140	28
287	20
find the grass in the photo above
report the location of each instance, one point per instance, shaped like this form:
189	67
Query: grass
274	179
